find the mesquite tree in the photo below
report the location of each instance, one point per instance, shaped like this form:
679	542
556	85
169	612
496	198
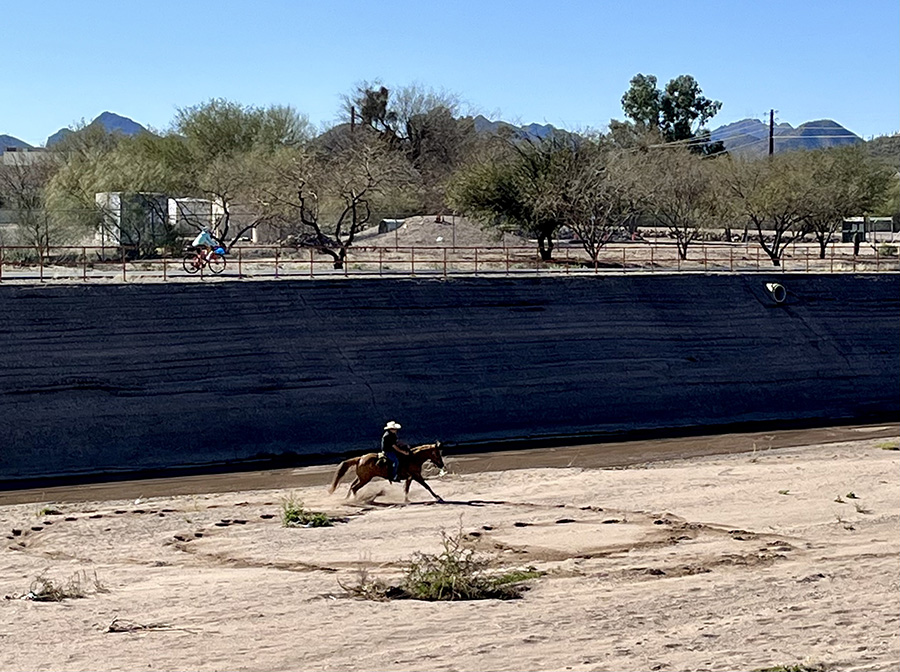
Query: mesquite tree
324	199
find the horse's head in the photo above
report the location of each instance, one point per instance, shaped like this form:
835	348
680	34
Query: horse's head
434	454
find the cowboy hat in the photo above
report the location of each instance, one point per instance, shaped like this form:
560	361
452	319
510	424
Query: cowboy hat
392	425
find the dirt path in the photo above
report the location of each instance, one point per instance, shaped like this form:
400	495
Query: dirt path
613	454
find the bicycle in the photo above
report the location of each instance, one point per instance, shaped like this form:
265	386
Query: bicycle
194	262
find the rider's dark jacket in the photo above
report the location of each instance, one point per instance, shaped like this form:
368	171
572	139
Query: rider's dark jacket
388	441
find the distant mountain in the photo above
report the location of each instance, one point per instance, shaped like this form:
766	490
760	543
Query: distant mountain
750	137
9	141
110	121
483	125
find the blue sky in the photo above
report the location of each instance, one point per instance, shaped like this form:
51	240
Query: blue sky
566	63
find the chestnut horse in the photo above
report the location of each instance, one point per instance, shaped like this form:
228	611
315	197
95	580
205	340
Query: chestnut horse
369	466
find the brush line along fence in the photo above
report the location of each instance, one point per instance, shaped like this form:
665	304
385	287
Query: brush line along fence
85	263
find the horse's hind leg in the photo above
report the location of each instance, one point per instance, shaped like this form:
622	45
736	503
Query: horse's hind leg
356	485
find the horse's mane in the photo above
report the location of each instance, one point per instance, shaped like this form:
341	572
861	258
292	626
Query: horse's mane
425	447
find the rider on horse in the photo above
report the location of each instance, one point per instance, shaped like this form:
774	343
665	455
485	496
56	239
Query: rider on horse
392	449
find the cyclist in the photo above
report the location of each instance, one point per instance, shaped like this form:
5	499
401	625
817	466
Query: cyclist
205	244
392	449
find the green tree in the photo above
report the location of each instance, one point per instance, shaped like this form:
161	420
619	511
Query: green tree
70	194
847	184
509	186
642	102
679	112
775	195
221	127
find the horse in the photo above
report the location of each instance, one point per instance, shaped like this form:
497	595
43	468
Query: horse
369	466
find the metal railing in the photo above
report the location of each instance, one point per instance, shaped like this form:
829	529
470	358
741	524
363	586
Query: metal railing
94	263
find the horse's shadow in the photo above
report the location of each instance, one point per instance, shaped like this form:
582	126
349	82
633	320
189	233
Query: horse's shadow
370	501
451	502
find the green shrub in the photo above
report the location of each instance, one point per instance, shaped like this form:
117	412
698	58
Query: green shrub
294	515
887	250
456	573
459	573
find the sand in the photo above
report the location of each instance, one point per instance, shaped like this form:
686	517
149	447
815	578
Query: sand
744	561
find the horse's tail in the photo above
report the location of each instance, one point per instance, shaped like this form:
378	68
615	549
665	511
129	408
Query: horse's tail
342	469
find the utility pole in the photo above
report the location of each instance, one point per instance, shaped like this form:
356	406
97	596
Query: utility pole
771	132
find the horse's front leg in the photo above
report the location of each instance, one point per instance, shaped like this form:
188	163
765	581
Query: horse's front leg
421	481
406	490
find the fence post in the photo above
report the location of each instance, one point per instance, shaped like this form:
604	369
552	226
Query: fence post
476	261
731	259
412	261
1	263
623	259
83	264
240	262
445	263
506	251
165	265
311	264
381	262
277	250
41	262
832	258
124	279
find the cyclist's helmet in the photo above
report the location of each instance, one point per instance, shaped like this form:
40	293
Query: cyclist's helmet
220	250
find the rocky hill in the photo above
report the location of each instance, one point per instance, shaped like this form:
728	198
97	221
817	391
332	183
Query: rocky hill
112	122
9	141
750	137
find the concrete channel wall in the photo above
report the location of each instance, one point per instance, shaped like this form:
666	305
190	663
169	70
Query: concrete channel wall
125	378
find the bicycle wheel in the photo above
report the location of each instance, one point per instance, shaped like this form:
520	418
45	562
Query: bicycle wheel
190	263
216	263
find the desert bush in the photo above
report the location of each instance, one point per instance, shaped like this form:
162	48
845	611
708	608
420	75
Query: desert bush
456	573
44	589
294	515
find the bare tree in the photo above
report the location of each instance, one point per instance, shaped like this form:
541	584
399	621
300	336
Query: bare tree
678	192
595	188
24	177
328	198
